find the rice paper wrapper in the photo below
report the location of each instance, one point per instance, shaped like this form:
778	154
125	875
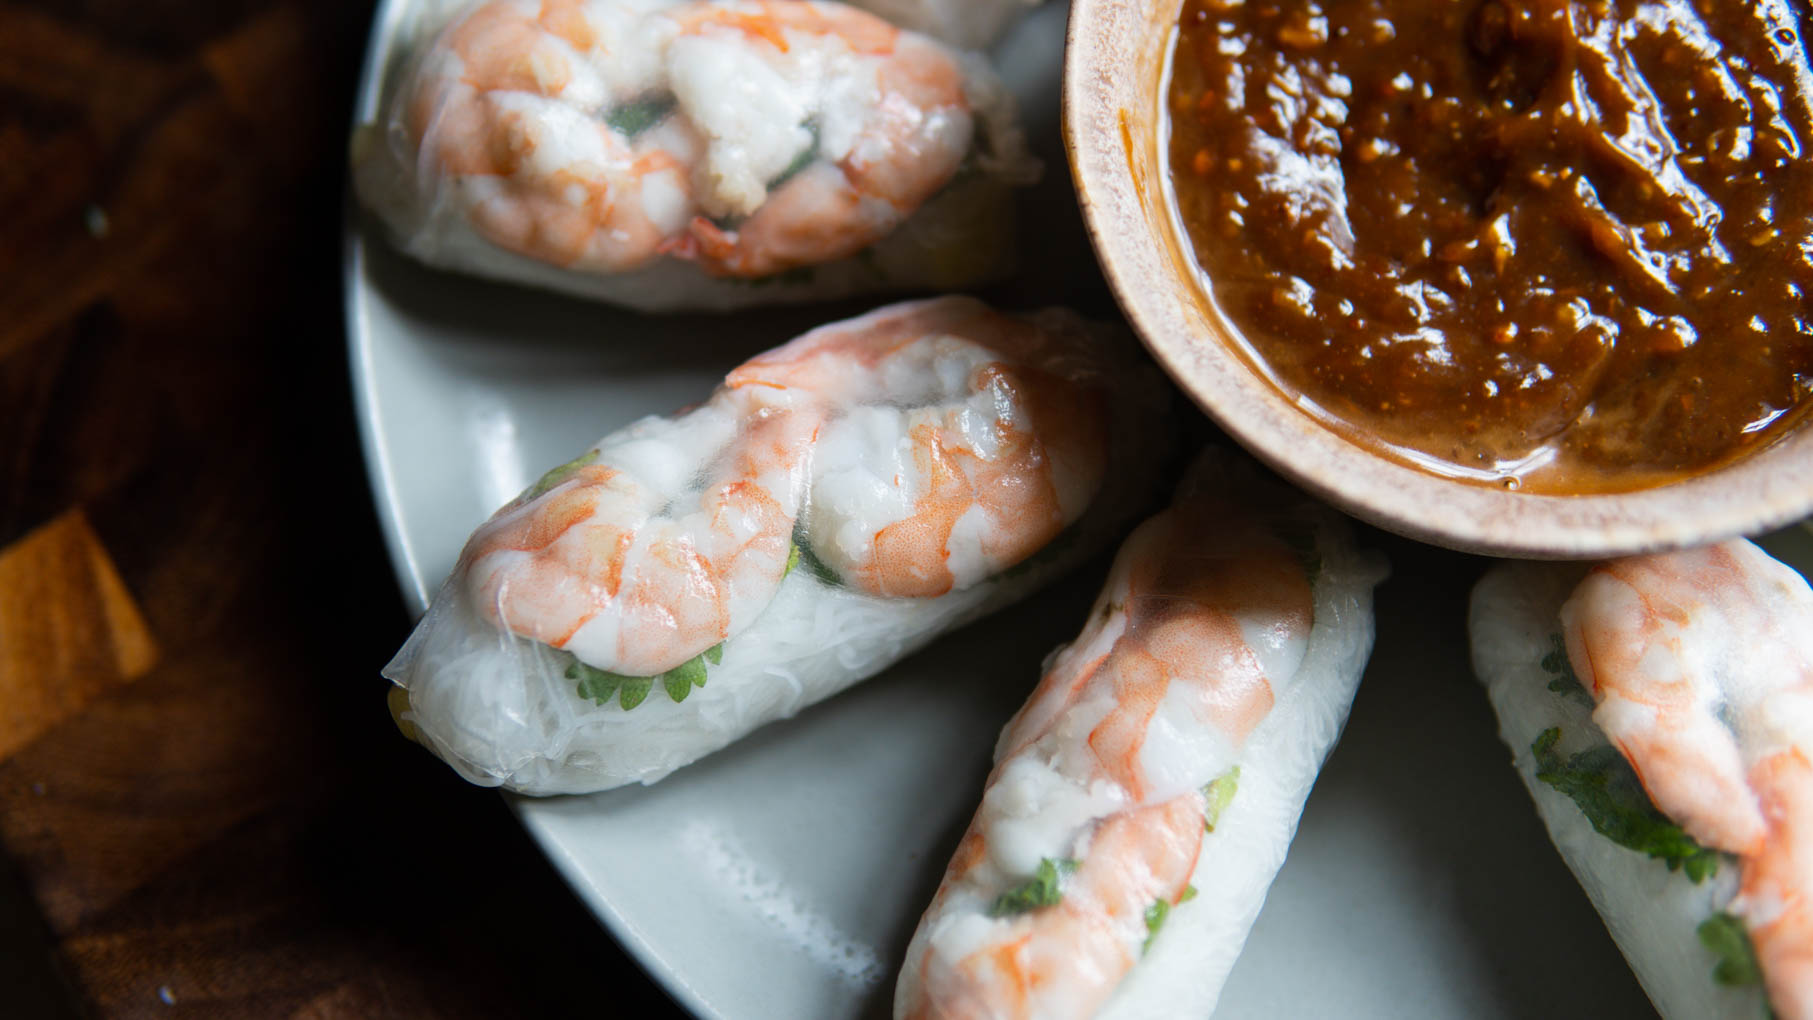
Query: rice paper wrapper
1188	962
1185	961
961	237
1653	913
505	710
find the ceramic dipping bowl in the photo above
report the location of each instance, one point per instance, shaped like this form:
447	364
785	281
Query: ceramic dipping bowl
1114	132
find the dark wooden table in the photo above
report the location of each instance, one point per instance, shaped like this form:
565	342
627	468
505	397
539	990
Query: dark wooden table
204	808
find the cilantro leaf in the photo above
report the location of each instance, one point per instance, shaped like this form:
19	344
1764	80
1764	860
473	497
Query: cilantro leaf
1608	792
558	475
1220	794
598	685
1565	683
1725	936
1041	890
634	690
638	115
680	680
595	684
1155	919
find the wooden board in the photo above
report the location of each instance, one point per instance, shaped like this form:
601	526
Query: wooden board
204	801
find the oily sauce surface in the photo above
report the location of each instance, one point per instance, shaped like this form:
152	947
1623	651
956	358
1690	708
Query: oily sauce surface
1567	245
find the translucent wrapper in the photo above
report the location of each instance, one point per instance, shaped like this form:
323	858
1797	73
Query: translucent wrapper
1183	972
937	418
706	155
1654	912
1054	795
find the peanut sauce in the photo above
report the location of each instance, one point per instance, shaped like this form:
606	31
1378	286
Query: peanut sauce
1562	245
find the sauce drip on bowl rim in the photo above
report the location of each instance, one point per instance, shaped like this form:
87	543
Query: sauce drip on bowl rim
1563	245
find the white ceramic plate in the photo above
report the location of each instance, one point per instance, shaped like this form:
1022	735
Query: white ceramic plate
781	878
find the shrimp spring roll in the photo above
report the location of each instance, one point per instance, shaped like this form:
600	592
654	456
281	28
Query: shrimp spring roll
837	503
1143	799
709	154
1660	710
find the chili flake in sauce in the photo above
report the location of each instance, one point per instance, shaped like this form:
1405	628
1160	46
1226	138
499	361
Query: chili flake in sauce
1567	244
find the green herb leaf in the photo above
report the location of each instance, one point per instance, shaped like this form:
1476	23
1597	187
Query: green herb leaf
680	680
804	159
1726	937
792	559
638	115
1155	919
1041	890
1611	796
634	690
1189	893
595	684
558	475
812	563
1565	682
600	684
1220	794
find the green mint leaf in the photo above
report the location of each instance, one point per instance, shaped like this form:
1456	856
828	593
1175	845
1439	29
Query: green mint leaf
1565	682
1155	919
634	690
595	684
1725	936
1220	794
638	115
713	655
1041	890
558	475
1601	783
1189	893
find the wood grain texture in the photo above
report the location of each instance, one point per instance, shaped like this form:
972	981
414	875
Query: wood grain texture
201	792
68	629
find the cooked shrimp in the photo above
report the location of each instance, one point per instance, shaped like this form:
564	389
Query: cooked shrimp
1702	666
969	439
1105	766
753	137
868	175
600	566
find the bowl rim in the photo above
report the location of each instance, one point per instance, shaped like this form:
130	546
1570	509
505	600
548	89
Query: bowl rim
1129	222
